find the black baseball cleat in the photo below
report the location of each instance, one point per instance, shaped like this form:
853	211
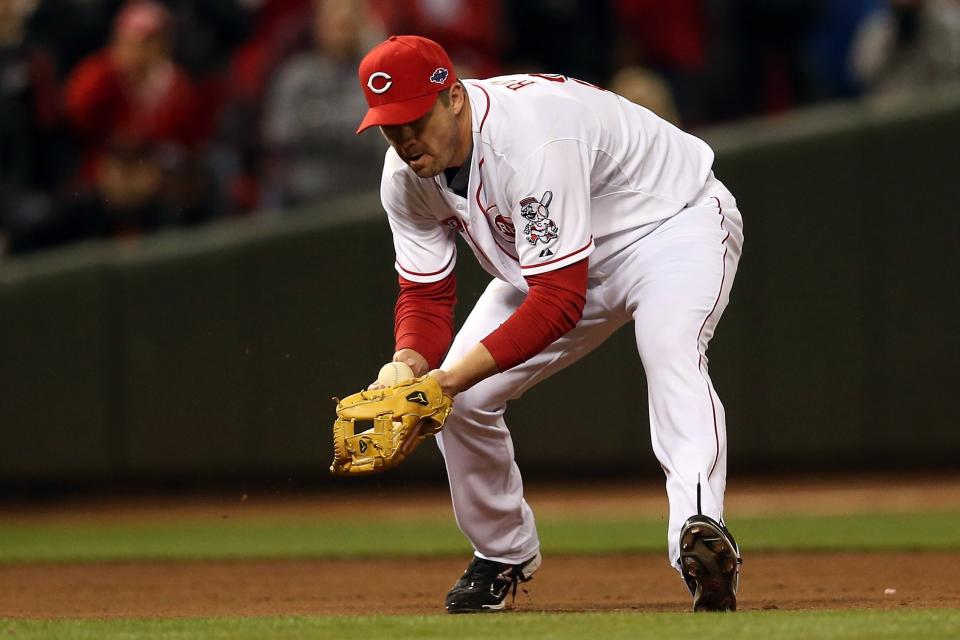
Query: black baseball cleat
484	586
710	563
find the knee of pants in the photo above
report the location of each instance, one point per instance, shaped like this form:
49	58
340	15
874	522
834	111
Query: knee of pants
475	438
667	348
477	411
489	396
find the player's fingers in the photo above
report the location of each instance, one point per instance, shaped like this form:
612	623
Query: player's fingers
417	363
375	385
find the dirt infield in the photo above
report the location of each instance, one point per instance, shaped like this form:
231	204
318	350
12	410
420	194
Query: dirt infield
416	586
641	582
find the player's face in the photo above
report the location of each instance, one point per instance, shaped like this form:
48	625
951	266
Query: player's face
428	145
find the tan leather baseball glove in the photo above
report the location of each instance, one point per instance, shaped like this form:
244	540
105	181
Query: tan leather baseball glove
377	429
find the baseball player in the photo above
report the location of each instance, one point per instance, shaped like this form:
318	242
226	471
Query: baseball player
589	212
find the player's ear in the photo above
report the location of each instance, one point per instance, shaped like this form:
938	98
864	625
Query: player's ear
458	96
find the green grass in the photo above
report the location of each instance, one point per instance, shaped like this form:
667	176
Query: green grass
225	539
754	625
297	537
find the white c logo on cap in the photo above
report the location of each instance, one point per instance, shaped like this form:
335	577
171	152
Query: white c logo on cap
386	85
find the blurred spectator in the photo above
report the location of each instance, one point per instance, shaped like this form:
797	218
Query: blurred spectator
139	122
264	91
829	45
647	89
133	92
34	153
311	114
281	29
207	33
137	188
472	31
667	38
910	44
665	35
760	62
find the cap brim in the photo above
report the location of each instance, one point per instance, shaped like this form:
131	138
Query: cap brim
397	112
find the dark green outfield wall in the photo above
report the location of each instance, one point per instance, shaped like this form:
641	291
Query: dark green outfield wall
214	353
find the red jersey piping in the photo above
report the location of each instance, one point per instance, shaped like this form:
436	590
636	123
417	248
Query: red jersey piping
431	273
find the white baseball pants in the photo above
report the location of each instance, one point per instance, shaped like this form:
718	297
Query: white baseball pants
674	284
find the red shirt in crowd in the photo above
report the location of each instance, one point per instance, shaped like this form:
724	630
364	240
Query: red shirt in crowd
104	109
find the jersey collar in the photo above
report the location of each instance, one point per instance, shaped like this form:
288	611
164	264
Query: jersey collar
458	178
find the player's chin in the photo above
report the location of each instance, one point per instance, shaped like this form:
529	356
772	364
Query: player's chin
425	166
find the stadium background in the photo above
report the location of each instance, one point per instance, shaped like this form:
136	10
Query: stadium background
180	297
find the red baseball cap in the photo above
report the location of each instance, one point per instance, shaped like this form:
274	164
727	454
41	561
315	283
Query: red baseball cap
401	78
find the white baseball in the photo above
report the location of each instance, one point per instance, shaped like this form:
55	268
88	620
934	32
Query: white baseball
394	373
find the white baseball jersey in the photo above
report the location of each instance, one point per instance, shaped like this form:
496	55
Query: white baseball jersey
560	170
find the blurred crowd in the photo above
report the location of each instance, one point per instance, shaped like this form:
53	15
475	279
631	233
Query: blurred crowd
118	118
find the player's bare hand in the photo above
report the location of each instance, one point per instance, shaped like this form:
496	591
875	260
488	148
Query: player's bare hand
447	382
417	363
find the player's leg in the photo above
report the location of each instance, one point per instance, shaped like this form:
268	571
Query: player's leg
688	267
485	483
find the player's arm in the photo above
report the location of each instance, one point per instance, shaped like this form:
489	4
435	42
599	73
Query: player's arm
423	322
553	306
425	251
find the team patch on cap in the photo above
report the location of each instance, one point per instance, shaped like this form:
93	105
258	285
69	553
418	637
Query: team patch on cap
539	227
439	76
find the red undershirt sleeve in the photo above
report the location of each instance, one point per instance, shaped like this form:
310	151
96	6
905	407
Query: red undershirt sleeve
553	307
423	317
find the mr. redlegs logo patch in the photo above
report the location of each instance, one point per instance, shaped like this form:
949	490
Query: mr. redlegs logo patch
539	228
